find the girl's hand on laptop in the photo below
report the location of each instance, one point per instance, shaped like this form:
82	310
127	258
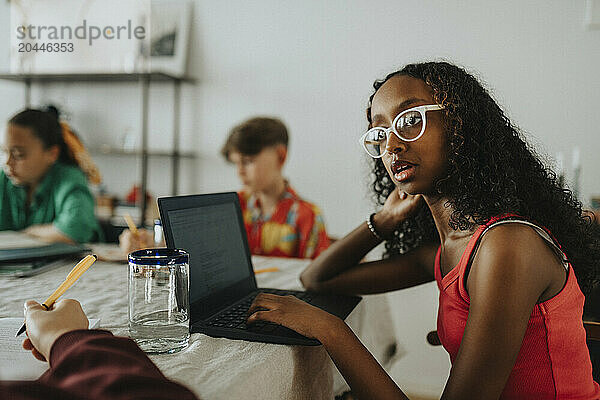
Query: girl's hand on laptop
129	241
293	313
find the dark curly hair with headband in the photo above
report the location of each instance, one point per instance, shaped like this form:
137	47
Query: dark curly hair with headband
491	171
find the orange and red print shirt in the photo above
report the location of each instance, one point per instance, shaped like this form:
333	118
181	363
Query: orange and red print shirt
294	229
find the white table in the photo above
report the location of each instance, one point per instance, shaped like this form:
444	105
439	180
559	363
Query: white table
216	368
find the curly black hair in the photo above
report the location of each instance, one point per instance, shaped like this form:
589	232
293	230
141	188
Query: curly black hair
491	171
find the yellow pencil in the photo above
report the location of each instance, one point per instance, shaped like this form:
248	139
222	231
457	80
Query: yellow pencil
130	223
260	271
71	278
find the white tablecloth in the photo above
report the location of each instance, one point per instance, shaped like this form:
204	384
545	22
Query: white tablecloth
216	368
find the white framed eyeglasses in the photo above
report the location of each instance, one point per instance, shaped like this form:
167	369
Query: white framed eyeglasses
408	126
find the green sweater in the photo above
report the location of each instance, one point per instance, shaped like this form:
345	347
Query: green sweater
62	198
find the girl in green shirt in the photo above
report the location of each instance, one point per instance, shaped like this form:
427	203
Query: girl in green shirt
43	190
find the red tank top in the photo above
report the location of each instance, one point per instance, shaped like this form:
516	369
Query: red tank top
554	361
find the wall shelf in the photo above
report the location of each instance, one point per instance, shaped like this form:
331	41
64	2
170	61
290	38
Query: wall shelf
144	80
127	153
117	77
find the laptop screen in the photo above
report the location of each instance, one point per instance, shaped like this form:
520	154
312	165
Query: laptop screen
212	235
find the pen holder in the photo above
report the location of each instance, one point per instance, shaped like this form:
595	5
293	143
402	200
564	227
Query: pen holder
159	311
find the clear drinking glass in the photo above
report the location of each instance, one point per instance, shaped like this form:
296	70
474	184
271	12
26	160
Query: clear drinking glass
159	310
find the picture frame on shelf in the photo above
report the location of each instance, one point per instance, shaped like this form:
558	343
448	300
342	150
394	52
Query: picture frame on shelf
592	14
170	22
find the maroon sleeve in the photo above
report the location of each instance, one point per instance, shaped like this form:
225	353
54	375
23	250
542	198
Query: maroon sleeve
93	364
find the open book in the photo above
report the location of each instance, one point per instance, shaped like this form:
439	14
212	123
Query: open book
17	363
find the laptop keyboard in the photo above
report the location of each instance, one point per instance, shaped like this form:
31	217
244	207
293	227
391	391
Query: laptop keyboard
236	316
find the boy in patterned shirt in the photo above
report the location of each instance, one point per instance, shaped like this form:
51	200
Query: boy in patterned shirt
278	222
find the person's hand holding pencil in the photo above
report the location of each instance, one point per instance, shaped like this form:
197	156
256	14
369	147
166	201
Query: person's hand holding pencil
133	238
44	327
71	278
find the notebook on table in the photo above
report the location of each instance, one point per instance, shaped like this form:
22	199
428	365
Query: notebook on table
17	363
21	255
31	254
222	283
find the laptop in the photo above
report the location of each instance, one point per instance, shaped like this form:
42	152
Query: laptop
222	284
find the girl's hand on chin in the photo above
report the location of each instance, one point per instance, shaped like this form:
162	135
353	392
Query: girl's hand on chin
398	207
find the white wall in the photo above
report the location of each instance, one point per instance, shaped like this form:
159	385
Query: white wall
312	64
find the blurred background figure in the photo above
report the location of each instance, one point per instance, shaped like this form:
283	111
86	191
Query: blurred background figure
278	221
44	184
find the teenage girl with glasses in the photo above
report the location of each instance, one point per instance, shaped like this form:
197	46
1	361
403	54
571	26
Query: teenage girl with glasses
465	203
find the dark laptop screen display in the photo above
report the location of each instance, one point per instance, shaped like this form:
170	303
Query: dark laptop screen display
211	235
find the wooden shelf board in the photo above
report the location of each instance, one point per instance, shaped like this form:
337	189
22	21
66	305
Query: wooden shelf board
117	152
99	77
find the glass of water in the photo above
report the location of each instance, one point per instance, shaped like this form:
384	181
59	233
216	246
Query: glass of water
159	310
